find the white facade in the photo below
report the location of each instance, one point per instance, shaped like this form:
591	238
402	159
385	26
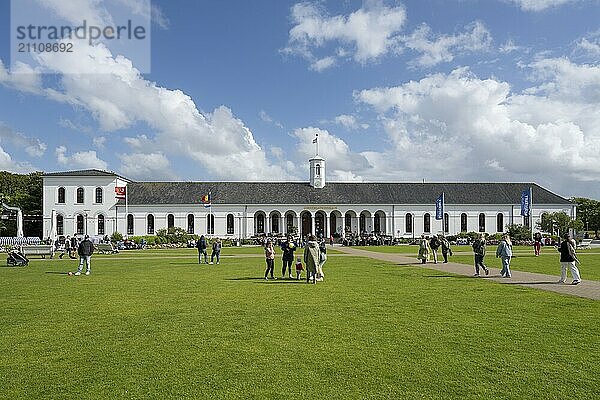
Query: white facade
95	216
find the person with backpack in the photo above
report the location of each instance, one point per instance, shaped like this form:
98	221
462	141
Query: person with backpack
434	244
445	248
479	252
201	246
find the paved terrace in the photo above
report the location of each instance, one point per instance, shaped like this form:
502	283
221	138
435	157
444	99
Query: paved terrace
587	289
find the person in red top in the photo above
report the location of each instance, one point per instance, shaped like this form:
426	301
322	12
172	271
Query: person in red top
299	267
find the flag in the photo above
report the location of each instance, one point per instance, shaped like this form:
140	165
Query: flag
439	207
206	199
120	192
315	140
525	202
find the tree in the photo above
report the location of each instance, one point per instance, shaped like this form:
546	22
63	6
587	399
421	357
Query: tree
518	232
588	212
25	192
558	223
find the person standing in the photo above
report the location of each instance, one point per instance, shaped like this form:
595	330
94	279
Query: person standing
479	251
311	258
504	252
67	248
445	248
322	260
201	246
270	258
423	249
568	258
85	251
216	251
74	247
434	244
288	248
537	243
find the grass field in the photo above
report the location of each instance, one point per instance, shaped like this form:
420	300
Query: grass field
155	325
524	260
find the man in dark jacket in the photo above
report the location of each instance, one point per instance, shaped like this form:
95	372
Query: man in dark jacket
85	251
201	246
288	248
568	259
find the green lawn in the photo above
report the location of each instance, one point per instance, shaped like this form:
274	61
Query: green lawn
155	328
524	260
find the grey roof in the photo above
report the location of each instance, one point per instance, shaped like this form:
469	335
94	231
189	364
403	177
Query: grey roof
335	193
85	172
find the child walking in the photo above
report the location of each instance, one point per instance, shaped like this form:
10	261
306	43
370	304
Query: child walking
299	267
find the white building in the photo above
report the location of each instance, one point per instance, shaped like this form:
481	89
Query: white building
83	202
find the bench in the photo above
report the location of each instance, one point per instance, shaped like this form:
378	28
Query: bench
584	244
38	250
105	248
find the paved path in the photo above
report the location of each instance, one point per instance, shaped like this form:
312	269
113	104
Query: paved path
587	289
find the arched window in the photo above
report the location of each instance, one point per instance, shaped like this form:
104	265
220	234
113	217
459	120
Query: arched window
170	221
190	223
260	223
446	223
130	224
79	199
377	223
482	222
80	229
99	195
210	224
426	222
318	171
409	223
500	222
230	224
275	223
61	195
60	225
362	223
150	224
463	222
100	224
289	223
348	222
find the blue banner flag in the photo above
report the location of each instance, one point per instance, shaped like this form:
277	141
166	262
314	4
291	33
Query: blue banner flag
439	207
525	202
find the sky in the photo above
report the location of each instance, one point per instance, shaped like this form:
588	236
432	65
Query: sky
397	91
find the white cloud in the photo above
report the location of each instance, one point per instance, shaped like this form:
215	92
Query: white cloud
151	166
443	48
590	47
365	35
99	142
540	5
465	128
80	160
268	119
22	77
33	146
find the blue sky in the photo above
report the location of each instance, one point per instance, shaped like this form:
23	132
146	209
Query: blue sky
441	90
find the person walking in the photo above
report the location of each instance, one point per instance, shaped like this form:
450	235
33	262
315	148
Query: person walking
66	248
270	258
288	248
537	243
423	249
74	246
201	246
311	258
322	260
568	258
216	251
85	251
434	244
479	251
445	248
504	252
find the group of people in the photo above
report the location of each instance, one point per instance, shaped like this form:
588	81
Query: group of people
568	256
315	256
202	245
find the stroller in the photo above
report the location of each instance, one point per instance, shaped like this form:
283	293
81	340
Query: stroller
16	259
